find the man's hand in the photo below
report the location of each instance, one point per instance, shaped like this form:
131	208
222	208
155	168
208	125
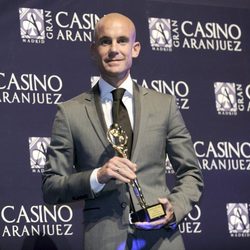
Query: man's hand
161	222
119	168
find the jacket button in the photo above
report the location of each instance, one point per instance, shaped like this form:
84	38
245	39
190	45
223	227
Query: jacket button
123	204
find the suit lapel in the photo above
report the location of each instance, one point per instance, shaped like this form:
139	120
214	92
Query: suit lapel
95	114
140	116
96	91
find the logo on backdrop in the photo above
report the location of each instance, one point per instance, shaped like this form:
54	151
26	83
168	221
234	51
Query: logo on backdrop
169	34
231	98
160	33
30	88
168	166
38	148
36	220
32	25
223	155
238	219
38	25
179	89
191	223
94	80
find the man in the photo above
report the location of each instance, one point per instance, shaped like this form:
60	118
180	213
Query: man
82	164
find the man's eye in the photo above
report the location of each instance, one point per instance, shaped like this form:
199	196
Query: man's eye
105	42
123	40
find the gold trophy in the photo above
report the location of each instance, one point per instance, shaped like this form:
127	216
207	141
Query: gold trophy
119	139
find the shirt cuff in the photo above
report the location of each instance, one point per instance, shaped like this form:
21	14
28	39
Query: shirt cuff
94	183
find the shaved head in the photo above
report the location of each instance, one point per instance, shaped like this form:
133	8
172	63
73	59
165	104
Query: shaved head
109	19
114	47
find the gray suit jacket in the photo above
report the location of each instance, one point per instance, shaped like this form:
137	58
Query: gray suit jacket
79	144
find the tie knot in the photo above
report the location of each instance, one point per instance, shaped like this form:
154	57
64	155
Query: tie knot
118	94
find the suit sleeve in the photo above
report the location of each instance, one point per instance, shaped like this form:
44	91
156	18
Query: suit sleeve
189	182
61	182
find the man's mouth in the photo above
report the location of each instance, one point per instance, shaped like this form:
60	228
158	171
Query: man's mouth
113	60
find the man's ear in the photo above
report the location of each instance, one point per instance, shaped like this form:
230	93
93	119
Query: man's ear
136	49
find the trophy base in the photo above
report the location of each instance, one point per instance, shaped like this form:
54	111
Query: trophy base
148	214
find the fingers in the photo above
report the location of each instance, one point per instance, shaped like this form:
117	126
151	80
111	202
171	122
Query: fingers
160	222
119	168
168	207
151	225
124	169
123	164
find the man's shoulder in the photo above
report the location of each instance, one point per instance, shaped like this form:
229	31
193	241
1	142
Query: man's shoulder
155	94
78	100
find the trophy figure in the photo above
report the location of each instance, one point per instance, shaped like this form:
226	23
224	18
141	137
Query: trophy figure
119	139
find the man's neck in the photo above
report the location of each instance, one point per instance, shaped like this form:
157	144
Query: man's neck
115	81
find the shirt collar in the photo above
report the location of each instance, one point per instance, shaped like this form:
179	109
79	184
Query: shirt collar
106	88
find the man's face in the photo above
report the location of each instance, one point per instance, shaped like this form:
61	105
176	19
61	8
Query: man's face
114	49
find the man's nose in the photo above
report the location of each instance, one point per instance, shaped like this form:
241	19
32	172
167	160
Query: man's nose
113	49
113	46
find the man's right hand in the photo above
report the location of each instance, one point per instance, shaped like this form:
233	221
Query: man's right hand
119	168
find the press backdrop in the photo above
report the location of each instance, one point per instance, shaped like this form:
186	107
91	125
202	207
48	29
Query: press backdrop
198	53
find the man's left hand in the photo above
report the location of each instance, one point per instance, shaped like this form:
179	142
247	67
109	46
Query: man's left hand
161	222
